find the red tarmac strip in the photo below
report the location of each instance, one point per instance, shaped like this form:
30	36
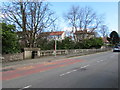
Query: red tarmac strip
40	65
37	68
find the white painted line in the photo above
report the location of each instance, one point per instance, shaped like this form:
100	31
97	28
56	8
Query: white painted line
68	72
100	61
25	87
28	86
85	66
73	71
62	74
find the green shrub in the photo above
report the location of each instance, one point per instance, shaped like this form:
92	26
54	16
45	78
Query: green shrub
9	39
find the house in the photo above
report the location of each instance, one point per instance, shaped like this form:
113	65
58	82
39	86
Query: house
58	35
24	40
105	41
83	34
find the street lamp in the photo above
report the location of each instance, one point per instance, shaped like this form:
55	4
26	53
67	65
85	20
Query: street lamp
55	46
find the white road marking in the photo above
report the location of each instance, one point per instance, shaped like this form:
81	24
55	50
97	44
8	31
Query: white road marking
85	66
28	86
25	87
73	70
99	61
67	72
62	74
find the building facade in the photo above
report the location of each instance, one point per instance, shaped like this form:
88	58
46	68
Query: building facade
83	34
58	35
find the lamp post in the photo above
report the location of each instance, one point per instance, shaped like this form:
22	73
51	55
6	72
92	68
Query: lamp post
55	46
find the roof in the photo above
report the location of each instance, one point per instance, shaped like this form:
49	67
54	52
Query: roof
57	33
83	32
52	33
105	39
43	33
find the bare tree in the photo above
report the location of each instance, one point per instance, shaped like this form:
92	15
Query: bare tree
83	18
72	17
30	17
104	30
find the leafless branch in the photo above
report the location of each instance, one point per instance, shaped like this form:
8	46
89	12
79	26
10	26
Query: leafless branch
31	17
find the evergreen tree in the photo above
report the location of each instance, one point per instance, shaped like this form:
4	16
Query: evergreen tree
9	39
114	37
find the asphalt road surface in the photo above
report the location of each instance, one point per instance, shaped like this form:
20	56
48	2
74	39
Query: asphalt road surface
90	71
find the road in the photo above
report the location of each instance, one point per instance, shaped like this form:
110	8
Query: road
90	71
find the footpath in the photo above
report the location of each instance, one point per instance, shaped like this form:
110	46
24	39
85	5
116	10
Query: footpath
28	62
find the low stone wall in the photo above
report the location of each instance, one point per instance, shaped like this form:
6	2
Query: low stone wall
12	57
72	52
52	52
40	53
75	52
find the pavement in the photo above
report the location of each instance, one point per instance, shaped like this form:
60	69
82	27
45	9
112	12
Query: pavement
22	63
44	59
98	70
